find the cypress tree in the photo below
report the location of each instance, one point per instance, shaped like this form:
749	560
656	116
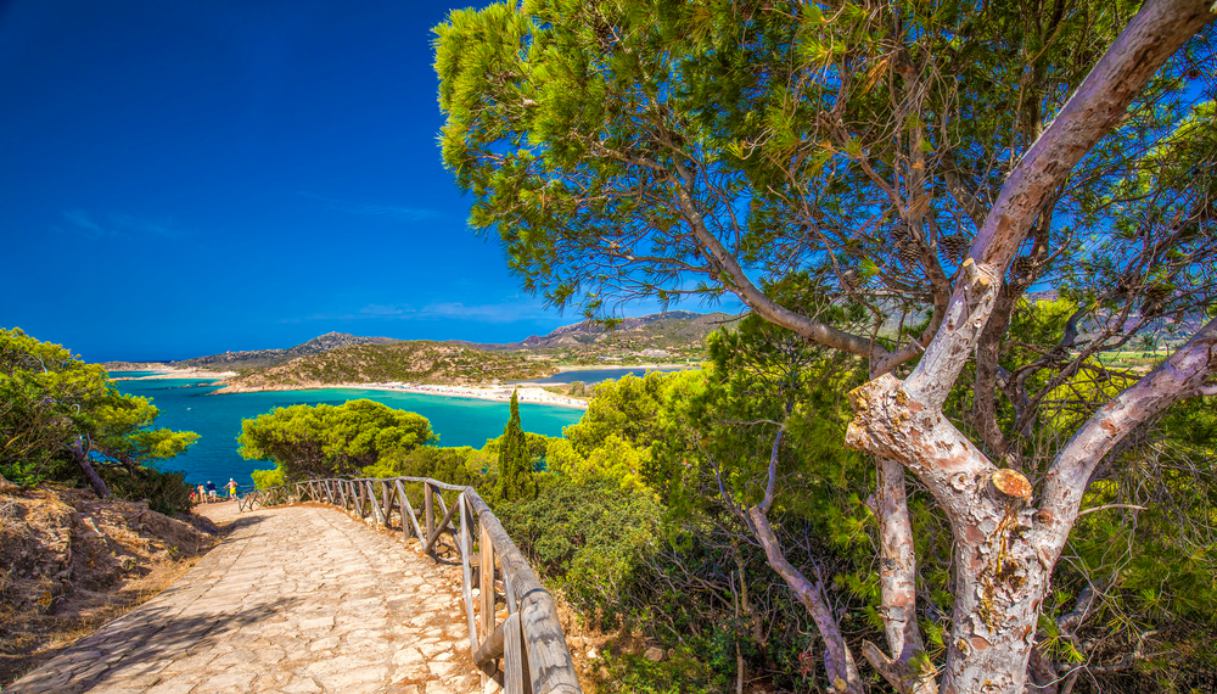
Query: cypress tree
515	467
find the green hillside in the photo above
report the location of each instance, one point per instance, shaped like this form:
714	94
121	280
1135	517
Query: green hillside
413	361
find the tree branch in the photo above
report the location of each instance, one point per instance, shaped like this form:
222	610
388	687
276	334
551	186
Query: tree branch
838	661
1153	35
1181	376
737	281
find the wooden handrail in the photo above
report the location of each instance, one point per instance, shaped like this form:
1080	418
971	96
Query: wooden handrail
529	639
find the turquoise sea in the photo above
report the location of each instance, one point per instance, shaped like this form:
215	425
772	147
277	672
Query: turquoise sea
189	404
592	376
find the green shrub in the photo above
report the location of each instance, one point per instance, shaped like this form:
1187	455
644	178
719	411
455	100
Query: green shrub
326	440
683	671
265	479
165	492
588	536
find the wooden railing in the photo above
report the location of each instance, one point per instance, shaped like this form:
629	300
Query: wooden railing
526	636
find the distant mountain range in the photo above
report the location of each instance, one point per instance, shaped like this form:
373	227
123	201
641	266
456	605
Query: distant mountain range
669	331
670	337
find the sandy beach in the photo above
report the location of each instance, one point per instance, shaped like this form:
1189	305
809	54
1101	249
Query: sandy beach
530	392
177	372
498	393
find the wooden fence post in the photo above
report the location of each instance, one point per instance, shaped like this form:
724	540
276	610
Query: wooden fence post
514	659
466	545
428	511
406	511
373	503
486	580
384	500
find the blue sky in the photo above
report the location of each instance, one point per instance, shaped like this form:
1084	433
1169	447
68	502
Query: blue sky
186	177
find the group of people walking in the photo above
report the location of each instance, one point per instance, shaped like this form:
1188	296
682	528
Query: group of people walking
207	493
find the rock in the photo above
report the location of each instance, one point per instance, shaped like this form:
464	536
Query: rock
592	653
653	654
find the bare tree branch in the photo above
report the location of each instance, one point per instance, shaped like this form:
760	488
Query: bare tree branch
1155	33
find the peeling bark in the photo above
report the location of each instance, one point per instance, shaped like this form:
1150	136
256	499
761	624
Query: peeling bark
1004	550
898	586
889	422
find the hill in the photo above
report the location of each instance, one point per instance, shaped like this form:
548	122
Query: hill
261	358
334	358
410	361
70	561
672	335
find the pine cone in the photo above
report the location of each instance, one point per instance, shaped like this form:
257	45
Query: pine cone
954	247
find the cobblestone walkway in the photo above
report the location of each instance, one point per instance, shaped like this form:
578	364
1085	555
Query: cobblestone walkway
297	599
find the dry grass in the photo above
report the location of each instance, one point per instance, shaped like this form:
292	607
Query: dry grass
70	563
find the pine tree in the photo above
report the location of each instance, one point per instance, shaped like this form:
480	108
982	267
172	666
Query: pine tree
515	467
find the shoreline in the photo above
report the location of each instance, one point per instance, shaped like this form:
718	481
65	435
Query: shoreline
613	367
529	394
167	372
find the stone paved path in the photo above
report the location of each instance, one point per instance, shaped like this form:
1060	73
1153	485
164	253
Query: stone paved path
297	599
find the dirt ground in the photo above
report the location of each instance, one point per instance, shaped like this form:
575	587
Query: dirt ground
70	562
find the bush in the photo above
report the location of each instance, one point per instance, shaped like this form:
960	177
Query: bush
265	479
165	492
326	440
588	536
453	465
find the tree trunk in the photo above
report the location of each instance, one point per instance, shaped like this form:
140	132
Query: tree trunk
999	576
999	585
898	586
81	455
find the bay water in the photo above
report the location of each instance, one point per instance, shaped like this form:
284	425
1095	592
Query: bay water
190	404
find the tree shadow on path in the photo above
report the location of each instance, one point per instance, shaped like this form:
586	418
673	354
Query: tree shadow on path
145	640
238	523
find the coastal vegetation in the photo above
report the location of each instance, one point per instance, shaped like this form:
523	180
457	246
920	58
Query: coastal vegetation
82	531
63	420
885	185
638	517
326	440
